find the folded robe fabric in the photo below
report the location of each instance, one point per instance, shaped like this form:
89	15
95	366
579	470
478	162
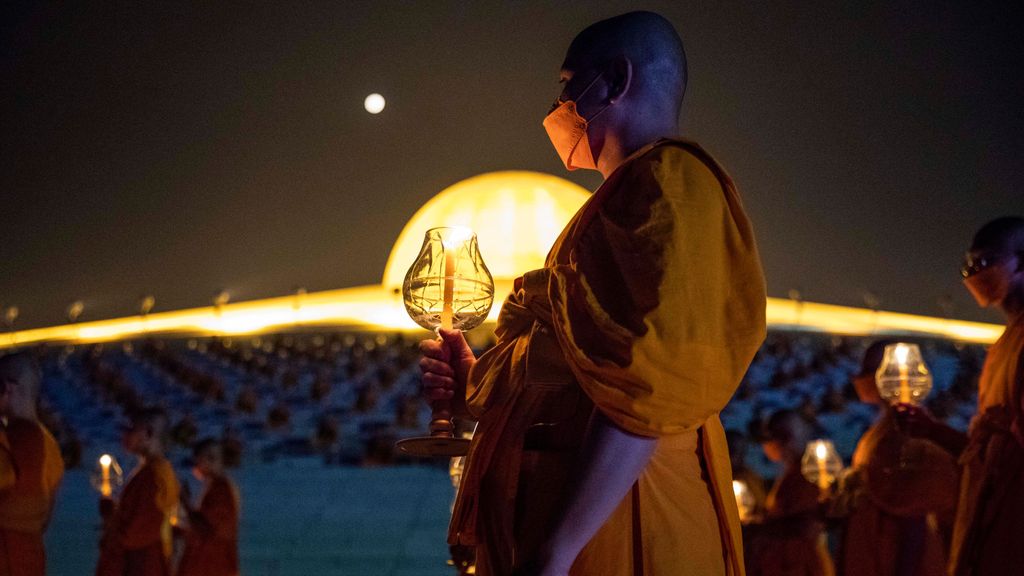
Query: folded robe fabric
31	469
655	298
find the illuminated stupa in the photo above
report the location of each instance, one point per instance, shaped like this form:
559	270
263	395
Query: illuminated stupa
517	215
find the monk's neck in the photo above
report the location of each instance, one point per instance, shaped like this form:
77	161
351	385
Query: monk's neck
619	147
1013	306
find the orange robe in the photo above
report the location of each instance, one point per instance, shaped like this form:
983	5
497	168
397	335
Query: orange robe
791	542
907	493
136	537
650	307
25	505
987	536
7	476
211	543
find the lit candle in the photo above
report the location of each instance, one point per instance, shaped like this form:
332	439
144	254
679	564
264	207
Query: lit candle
449	285
901	359
105	487
743	499
821	453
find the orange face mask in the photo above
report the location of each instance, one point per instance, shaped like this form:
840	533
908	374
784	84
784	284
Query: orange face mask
567	131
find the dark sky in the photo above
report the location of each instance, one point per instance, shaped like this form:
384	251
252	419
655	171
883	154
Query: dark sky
160	148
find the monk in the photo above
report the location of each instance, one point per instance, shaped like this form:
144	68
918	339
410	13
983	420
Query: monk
30	469
211	540
987	535
136	539
791	539
7	476
902	493
599	450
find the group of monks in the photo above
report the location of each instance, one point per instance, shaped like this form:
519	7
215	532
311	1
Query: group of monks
137	537
598	450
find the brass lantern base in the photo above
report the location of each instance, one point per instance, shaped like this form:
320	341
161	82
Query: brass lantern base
434	446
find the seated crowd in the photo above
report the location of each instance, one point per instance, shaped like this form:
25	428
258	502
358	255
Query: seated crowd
346	398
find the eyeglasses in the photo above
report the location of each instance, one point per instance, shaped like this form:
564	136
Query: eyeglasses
976	264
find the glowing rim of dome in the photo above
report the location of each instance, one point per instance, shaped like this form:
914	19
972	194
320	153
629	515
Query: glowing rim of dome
378	307
565	199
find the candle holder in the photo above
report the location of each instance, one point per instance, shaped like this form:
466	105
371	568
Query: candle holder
448	286
745	502
107	477
821	464
903	377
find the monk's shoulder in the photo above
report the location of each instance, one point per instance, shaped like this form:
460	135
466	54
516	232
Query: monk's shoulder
684	167
26	438
163	472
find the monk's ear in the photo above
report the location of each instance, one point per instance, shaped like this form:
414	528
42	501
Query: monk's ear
620	78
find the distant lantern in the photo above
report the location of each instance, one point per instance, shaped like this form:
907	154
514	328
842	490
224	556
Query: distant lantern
374	103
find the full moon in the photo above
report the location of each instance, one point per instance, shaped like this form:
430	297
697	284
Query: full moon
374	103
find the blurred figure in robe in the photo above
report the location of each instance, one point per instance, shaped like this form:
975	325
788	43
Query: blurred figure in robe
987	535
31	468
900	493
791	540
211	538
136	537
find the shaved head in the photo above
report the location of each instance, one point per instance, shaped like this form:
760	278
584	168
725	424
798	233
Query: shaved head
22	368
1000	235
153	420
652	46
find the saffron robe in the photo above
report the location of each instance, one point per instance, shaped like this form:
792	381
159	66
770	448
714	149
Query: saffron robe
7	477
895	525
211	542
987	536
791	541
136	537
650	308
34	461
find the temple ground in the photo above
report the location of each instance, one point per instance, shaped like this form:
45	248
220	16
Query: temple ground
300	518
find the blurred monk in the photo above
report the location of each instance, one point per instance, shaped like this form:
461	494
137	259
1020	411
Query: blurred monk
599	450
136	538
211	540
7	477
987	536
791	539
901	493
30	470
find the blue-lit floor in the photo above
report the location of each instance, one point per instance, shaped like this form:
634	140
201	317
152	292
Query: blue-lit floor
300	518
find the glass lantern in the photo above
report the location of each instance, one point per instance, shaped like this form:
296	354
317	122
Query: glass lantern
903	377
107	476
744	500
821	464
448	286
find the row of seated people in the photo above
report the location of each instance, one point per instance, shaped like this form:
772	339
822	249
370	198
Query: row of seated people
347	398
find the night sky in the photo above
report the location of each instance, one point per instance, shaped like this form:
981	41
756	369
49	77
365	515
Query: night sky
157	148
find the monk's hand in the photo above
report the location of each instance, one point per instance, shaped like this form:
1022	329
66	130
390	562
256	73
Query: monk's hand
445	364
914	421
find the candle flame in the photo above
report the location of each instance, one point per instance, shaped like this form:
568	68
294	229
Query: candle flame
105	460
459	235
901	352
738	487
820	450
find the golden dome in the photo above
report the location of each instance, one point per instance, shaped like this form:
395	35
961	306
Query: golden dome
517	216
